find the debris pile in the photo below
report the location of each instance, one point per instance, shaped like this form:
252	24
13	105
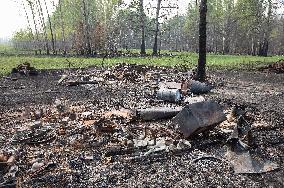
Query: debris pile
25	69
137	113
277	67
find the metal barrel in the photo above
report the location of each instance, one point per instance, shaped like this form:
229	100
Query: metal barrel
171	95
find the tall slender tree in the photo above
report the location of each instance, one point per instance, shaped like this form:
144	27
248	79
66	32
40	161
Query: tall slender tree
29	24
227	26
86	28
31	5
50	28
201	74
41	17
263	47
62	27
155	47
142	20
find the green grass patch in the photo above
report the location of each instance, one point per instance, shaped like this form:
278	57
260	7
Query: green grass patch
7	62
231	61
7	49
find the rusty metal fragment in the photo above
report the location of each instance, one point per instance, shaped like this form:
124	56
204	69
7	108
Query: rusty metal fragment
199	117
157	113
244	163
238	151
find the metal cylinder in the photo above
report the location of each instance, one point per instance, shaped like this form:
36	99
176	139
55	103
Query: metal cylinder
157	113
171	95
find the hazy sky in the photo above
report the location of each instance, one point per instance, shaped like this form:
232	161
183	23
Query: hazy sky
12	16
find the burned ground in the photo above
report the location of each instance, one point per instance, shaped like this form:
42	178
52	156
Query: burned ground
76	156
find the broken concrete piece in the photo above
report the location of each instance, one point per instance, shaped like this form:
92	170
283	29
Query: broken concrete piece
199	117
183	144
63	77
170	95
141	143
36	166
191	100
170	85
157	113
162	144
197	87
86	114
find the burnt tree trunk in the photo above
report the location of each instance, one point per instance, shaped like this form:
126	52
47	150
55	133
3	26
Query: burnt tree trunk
142	17
155	47
200	75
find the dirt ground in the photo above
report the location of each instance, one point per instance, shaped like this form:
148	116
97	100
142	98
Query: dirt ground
261	95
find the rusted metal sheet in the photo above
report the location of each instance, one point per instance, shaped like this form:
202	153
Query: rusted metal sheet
198	117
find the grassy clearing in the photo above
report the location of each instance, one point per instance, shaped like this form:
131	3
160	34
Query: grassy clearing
7	62
7	49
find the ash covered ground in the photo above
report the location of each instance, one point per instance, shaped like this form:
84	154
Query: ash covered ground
81	140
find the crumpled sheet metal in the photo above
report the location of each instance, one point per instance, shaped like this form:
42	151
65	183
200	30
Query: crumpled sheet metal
239	155
198	117
244	163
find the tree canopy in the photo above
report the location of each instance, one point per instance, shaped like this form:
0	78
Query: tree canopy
252	27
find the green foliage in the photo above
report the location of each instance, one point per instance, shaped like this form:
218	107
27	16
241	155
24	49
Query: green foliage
99	11
242	26
91	26
249	14
186	59
23	35
6	49
191	25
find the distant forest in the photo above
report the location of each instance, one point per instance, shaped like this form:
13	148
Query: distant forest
91	27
